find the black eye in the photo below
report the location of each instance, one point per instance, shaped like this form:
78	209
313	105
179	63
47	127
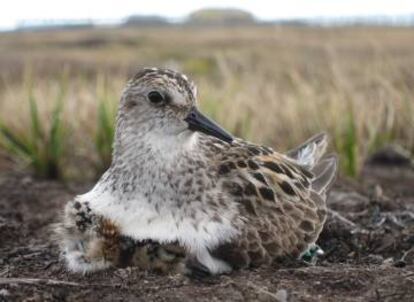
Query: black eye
155	97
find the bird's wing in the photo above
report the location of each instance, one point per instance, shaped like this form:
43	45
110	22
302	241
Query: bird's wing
291	176
282	200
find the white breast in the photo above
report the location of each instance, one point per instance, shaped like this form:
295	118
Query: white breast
140	220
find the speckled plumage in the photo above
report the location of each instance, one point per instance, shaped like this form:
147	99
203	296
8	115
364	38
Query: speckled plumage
222	204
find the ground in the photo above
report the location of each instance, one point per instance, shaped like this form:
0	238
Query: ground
368	242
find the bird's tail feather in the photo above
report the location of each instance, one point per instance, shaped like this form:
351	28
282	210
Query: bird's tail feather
310	155
325	173
310	152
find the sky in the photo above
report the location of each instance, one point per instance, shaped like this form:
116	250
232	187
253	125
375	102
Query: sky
15	11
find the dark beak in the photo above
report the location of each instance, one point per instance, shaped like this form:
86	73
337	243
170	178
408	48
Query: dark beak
198	122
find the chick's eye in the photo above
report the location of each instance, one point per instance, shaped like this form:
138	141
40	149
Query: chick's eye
155	97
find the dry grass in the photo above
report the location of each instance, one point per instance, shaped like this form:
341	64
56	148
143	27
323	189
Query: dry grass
271	85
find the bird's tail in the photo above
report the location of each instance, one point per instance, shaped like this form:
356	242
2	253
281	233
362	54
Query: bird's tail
311	151
311	155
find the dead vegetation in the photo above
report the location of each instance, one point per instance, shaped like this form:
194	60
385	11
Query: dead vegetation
275	85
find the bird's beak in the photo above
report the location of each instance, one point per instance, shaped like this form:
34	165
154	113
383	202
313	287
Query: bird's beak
199	122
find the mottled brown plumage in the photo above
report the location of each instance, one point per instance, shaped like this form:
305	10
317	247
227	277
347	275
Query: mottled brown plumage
104	245
179	185
284	214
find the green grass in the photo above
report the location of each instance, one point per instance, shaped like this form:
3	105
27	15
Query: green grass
105	130
346	142
104	135
42	146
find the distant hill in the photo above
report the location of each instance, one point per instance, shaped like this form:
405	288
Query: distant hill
141	20
53	25
213	16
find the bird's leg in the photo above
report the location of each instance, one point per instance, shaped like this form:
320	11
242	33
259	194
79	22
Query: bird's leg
311	255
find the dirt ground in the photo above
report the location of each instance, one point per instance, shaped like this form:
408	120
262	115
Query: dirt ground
368	242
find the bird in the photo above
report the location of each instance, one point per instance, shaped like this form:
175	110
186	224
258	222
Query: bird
183	193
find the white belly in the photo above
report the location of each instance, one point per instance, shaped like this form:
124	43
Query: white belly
139	220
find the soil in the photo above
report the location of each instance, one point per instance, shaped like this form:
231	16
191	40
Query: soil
368	242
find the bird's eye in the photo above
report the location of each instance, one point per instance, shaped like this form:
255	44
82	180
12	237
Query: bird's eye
155	97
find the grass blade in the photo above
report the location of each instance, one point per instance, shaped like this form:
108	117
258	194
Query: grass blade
14	142
36	127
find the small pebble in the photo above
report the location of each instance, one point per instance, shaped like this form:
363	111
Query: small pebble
374	259
282	295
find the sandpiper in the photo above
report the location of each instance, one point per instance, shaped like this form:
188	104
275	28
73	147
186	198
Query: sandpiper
178	179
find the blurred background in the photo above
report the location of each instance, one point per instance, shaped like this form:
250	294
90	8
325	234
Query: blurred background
273	72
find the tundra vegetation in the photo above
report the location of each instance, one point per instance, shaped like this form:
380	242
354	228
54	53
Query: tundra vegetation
275	85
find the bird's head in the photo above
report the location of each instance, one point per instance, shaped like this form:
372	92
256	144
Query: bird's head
162	104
